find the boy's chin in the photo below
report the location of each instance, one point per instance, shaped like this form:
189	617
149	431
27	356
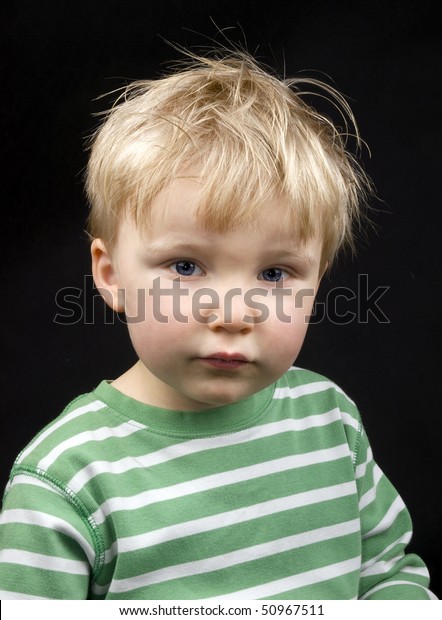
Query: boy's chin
222	397
203	402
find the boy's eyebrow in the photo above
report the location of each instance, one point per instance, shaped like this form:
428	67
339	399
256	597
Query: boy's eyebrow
166	245
276	253
293	254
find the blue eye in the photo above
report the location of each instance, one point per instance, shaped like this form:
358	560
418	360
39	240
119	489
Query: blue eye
273	274
186	268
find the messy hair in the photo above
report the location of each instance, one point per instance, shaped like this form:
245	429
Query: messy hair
252	137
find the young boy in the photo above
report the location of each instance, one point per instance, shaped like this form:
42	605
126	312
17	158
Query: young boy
212	469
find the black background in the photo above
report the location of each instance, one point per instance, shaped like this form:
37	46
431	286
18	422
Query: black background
58	56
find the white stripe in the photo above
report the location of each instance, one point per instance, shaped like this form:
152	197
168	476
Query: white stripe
362	468
402	541
234	558
390	584
41	519
46	562
349	420
390	516
317	575
100	434
225	519
422	571
195	446
303	390
370	495
382	567
31	480
218	480
321	386
94	406
7	595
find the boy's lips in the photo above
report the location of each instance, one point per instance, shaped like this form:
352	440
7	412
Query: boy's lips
225	360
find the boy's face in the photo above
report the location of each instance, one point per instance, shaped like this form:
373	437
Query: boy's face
213	317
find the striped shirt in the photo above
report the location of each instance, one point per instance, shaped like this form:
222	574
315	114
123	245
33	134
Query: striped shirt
276	496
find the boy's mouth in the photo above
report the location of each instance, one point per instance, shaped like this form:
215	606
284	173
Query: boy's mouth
226	361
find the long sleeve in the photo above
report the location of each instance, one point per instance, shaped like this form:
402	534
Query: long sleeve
46	546
387	571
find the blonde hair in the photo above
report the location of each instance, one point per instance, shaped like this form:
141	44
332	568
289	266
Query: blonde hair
251	135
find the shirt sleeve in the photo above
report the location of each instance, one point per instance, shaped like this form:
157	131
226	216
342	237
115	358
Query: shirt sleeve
47	550
387	571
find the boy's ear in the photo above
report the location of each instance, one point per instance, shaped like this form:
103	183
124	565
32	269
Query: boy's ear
105	276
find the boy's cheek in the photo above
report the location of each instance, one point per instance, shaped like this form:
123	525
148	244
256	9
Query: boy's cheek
292	306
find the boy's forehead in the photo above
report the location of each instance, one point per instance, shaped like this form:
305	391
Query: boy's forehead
171	230
183	218
183	202
181	214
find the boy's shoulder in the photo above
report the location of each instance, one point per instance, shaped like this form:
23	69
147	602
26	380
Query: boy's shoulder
308	381
84	419
312	391
318	402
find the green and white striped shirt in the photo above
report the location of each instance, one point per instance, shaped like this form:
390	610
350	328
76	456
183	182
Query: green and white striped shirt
276	496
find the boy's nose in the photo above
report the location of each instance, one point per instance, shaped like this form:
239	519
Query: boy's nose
233	314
